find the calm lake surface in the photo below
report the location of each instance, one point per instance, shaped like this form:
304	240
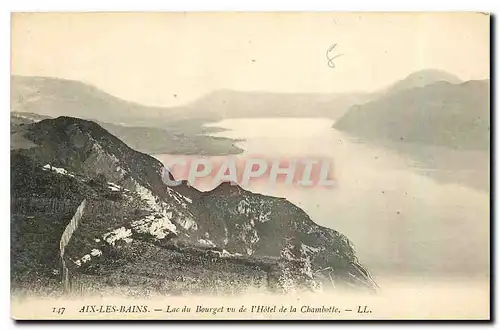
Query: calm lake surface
402	221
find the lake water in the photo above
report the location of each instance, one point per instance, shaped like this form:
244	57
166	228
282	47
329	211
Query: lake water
401	221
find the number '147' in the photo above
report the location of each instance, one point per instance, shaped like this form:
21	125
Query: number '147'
58	310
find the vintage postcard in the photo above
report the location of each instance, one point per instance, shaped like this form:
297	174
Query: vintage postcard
265	165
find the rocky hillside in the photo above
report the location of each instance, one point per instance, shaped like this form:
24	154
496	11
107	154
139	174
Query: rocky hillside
184	138
137	232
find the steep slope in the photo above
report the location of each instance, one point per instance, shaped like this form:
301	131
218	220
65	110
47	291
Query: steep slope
85	147
228	226
43	200
441	114
259	225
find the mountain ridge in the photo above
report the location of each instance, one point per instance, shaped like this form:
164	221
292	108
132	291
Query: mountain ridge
421	78
442	114
57	97
132	213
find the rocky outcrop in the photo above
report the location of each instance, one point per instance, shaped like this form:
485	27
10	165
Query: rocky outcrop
131	212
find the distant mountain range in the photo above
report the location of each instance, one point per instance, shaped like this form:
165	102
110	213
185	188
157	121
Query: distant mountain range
60	97
55	97
136	232
428	108
161	130
153	130
420	78
225	104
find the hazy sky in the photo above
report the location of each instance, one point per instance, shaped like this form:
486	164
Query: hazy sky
149	57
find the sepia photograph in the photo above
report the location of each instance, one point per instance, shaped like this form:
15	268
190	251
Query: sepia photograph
250	165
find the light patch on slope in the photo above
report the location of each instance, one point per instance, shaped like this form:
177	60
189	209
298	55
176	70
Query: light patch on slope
187	223
146	195
113	158
243	207
308	250
159	227
286	253
121	171
121	233
114	187
58	170
156	205
265	216
226	254
87	257
96	146
226	235
249	234
178	197
206	242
